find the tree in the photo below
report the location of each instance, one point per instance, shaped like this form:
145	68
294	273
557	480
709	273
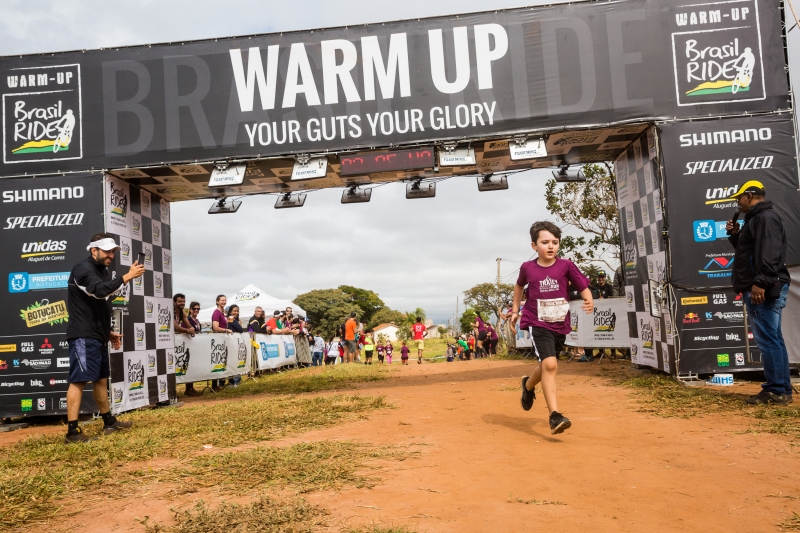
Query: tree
467	320
367	300
404	327
386	316
590	207
327	309
489	299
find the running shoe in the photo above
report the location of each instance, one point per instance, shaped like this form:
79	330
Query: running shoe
780	399
762	398
586	359
78	436
558	423
528	396
117	425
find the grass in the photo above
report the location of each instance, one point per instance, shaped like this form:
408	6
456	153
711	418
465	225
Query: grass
36	472
304	467
512	499
792	523
265	515
312	379
664	396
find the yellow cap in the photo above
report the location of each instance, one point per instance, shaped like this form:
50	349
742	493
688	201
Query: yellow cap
752	186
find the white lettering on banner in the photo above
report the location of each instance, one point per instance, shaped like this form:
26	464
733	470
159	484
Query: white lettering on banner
36	195
728	165
725	137
213	355
44	221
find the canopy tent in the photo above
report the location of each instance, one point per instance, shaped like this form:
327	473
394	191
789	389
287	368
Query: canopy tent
248	299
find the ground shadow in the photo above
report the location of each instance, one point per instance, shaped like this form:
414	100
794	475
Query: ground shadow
521	424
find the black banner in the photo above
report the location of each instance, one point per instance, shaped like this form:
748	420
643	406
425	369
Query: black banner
456	77
46	225
705	163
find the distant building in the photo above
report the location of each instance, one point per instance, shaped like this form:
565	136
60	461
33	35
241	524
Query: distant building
433	330
390	330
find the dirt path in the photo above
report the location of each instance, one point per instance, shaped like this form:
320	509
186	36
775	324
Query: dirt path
615	470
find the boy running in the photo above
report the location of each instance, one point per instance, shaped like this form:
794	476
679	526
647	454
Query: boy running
546	313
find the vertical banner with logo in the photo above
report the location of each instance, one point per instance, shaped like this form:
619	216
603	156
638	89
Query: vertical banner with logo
705	162
146	303
46	225
640	201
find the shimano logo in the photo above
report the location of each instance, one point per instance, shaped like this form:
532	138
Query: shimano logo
725	137
38	195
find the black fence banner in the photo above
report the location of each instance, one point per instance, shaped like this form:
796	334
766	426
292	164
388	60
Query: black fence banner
455	77
46	225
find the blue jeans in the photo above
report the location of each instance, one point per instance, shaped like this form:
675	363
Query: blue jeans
316	359
765	319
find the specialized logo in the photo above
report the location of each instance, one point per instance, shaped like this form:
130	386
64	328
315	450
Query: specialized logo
718	267
44	221
716	53
604	320
42	114
548	284
45	313
723	359
269	351
219	356
713	166
38	195
24	282
135	375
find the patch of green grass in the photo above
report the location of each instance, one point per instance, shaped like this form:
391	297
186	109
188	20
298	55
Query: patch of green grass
37	471
664	396
265	515
305	467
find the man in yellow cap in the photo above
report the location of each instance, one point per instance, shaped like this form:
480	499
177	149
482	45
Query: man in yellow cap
759	272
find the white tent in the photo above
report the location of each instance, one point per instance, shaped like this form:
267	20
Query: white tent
248	299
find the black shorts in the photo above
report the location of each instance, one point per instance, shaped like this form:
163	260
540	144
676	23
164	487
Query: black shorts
546	343
482	336
88	360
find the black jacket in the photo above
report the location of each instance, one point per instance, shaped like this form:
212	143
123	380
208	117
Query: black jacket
89	288
257	325
760	251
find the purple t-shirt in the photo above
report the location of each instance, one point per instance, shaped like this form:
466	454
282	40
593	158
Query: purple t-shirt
549	287
404	351
481	324
219	316
492	333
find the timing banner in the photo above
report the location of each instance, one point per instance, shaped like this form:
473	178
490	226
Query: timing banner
275	351
380	85
211	356
46	225
605	327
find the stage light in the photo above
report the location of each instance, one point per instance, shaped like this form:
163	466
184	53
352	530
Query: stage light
222	206
354	195
565	175
490	182
417	189
290	200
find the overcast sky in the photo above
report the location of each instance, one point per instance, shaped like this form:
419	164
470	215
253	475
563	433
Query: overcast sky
411	252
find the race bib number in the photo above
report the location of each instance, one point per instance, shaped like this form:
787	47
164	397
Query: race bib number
554	310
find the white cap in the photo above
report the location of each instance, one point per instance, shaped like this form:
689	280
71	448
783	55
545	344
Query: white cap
106	244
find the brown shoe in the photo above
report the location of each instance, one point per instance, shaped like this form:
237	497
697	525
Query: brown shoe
118	424
78	436
192	392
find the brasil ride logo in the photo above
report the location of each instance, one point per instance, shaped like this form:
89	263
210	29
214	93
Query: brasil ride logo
119	201
604	320
181	359
135	375
219	356
241	354
646	335
163	318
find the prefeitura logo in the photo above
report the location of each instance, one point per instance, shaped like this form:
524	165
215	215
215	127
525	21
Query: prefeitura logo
42	114
716	53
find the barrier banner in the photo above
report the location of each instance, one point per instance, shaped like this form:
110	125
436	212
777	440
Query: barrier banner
275	351
380	85
211	356
606	327
46	225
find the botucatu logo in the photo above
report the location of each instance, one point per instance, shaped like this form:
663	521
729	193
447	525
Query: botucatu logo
119	201
604	320
135	375
219	356
41	114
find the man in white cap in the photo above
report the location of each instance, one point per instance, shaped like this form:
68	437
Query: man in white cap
90	288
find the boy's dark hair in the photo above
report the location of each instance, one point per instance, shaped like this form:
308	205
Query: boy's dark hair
353	314
101	236
419	319
544	225
178	295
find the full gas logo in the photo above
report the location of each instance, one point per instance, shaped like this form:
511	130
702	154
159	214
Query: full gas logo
42	114
716	52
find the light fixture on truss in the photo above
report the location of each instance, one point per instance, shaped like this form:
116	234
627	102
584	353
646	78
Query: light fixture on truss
420	189
223	206
354	195
490	182
566	175
290	200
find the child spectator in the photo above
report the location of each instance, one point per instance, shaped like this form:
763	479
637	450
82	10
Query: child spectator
369	348
381	351
463	348
404	354
389	349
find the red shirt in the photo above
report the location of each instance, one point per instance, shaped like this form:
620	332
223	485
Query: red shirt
272	323
418	330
